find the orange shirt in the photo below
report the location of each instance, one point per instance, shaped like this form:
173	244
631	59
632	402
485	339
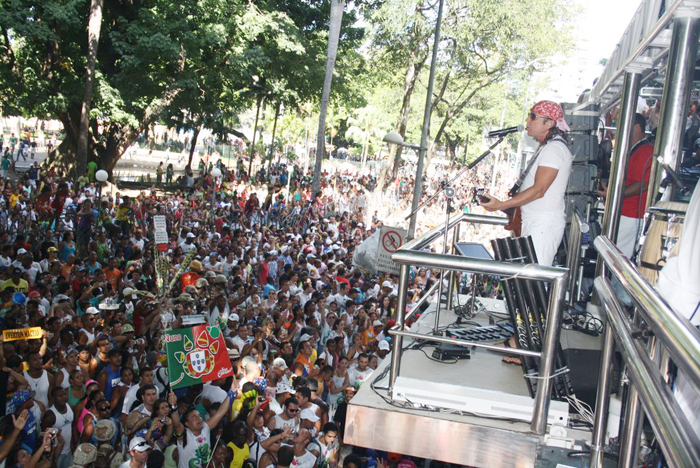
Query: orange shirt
113	276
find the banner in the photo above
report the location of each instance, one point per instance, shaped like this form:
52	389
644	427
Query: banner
196	355
33	333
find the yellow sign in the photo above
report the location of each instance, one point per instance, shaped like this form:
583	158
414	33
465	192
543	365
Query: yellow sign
21	334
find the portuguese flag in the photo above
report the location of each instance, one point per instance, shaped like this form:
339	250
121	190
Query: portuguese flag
196	355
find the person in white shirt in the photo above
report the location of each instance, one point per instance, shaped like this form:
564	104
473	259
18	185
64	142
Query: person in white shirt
138	450
360	374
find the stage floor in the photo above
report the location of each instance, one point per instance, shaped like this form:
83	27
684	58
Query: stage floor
373	421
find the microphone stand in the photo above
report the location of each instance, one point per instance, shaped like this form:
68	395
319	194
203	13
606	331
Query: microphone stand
448	183
446	186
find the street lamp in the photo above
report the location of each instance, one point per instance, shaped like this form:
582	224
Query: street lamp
215	173
394	138
101	176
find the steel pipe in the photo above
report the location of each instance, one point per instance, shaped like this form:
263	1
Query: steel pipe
675	435
618	168
676	99
451	290
457	341
487	267
424	239
400	321
631	430
574	255
602	400
677	334
549	355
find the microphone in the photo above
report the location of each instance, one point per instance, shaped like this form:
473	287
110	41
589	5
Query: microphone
505	131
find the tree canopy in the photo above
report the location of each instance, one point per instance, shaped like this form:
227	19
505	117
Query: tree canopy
200	64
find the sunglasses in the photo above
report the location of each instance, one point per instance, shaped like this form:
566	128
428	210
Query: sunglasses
534	116
105	408
293	410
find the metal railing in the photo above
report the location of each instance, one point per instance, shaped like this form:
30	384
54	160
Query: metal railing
648	386
576	230
411	254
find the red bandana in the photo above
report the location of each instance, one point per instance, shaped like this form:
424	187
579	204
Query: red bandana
553	111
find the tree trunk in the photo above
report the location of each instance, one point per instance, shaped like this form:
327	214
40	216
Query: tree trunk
94	26
193	144
337	8
274	131
255	132
409	85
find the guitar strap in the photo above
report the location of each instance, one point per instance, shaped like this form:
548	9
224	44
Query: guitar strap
518	183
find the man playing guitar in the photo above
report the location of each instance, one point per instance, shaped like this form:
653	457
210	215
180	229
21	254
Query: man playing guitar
542	194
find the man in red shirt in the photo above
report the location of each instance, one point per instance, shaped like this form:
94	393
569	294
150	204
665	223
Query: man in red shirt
636	186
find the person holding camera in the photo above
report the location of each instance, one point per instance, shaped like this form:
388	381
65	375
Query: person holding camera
160	430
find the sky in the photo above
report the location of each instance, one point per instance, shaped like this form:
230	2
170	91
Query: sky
600	26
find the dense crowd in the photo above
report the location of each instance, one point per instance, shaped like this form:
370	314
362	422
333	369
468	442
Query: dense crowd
303	326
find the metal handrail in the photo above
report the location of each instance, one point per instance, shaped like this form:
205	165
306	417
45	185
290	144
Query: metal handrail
677	439
676	333
412	253
424	239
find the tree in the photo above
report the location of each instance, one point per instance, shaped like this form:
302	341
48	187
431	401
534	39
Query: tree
337	8
94	27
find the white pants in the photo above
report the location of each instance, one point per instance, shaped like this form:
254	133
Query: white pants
546	232
628	234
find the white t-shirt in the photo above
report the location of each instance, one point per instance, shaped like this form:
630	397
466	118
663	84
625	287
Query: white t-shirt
130	398
556	155
197	450
358	377
213	393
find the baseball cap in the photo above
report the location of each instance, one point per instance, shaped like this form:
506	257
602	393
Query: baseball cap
127	328
21	251
52	249
309	415
233	318
280	364
92	311
384	345
139	444
387	284
190	235
305	337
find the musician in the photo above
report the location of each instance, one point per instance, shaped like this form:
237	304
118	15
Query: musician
636	185
541	197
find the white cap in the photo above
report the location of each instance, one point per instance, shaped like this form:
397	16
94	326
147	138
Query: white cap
309	415
190	235
233	318
139	444
387	284
21	251
384	345
92	311
279	363
305	337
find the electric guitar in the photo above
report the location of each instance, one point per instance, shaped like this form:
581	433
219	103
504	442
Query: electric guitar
515	220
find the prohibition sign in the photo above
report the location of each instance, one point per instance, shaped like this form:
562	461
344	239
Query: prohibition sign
391	241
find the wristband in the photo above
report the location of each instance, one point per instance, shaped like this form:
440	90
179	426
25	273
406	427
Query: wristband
173	408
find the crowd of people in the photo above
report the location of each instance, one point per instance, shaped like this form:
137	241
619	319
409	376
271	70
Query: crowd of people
304	328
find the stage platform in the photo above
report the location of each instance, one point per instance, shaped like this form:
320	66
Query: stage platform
449	435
